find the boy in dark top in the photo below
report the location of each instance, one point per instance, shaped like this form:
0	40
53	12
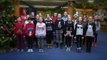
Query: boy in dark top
59	24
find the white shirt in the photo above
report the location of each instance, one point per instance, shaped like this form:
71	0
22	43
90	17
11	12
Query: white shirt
79	30
40	29
89	31
26	22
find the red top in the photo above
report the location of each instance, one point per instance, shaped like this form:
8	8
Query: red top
29	30
54	19
23	18
18	28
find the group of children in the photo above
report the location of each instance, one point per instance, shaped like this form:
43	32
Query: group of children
59	31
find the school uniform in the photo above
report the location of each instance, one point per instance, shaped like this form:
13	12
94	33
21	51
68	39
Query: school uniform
89	34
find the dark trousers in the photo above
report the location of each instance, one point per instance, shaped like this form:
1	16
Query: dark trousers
30	42
20	41
49	37
96	36
36	41
63	40
79	41
84	41
68	41
89	41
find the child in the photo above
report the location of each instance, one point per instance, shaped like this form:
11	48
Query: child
59	24
54	18
49	30
89	33
79	33
40	33
23	16
97	24
75	18
64	18
18	33
68	33
35	22
29	34
84	25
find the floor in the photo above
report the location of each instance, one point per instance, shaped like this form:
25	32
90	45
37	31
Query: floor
98	53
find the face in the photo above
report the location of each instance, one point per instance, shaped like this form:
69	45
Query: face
95	17
65	13
69	18
55	14
28	16
40	19
24	11
69	15
85	19
19	19
32	13
90	18
48	16
80	19
40	14
37	16
59	15
75	17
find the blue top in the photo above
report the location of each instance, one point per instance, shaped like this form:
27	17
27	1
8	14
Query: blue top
64	18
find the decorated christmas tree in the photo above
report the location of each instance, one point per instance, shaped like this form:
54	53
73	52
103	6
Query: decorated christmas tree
6	24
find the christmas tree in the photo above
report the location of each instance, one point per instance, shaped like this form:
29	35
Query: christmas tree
6	24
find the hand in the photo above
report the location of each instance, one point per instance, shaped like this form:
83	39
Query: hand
93	35
24	36
61	31
74	37
36	34
82	37
14	36
44	36
65	35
